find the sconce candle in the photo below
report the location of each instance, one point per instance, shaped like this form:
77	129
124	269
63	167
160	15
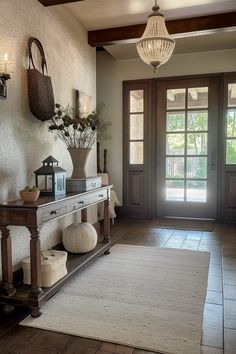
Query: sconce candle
7	62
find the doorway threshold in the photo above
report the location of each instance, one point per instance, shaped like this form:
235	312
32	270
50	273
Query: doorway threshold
183	224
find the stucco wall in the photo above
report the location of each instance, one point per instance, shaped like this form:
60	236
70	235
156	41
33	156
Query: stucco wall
25	141
111	73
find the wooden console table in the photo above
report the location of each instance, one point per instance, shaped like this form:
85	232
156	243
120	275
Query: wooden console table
33	216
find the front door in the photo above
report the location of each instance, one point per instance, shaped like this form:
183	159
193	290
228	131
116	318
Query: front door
187	131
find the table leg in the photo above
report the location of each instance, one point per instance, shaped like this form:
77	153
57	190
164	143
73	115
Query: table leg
35	260
7	273
35	312
106	223
84	215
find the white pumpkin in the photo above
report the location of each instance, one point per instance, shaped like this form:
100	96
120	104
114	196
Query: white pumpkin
79	238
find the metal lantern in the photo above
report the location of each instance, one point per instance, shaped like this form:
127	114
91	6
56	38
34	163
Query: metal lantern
50	178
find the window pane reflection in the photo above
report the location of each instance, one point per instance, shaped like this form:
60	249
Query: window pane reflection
175	144
197	143
136	126
176	98
198	120
231	123
174	167
175	190
231	151
136	153
196	191
136	101
198	97
231	94
196	167
175	121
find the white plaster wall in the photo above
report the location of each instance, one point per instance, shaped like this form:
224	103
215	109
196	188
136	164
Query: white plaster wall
24	140
111	73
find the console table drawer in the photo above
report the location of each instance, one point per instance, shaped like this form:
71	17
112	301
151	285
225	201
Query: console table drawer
98	196
54	212
80	204
93	198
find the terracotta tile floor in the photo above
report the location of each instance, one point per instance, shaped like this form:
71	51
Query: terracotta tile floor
219	323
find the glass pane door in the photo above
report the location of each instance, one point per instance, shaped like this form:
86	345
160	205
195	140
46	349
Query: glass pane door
189	155
186	144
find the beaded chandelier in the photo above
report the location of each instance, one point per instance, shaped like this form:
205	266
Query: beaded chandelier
156	46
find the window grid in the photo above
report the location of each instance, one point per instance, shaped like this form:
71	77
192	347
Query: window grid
185	131
230	156
136	157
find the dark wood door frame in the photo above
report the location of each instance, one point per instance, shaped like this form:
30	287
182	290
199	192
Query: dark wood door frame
138	180
228	172
226	211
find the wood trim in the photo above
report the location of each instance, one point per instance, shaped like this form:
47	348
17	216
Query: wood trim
228	213
56	2
178	28
187	81
137	179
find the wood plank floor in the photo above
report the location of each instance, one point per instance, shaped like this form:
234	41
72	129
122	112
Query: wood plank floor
219	323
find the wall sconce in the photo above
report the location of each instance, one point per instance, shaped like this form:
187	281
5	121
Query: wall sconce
7	63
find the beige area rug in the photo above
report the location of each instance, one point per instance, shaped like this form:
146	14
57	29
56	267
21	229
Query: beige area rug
143	297
183	224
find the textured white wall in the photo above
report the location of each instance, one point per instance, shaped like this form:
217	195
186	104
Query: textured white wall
111	73
24	140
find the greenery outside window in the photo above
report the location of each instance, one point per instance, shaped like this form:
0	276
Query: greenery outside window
231	125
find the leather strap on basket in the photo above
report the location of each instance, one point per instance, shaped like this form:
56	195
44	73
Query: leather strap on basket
40	47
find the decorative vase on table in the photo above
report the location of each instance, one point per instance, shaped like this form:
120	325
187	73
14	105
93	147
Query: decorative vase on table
78	131
79	158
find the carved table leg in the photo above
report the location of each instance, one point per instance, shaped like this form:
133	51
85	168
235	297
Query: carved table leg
35	261
7	274
106	224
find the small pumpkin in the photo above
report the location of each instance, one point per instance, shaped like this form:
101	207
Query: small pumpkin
79	238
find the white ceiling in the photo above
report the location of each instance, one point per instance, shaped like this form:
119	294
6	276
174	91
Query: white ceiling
100	14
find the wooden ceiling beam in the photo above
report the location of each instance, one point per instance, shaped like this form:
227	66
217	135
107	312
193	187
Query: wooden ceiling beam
177	28
56	2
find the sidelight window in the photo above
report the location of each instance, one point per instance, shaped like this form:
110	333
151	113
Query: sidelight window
231	125
136	128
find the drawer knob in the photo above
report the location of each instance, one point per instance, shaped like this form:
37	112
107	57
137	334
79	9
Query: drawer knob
81	202
101	195
53	212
